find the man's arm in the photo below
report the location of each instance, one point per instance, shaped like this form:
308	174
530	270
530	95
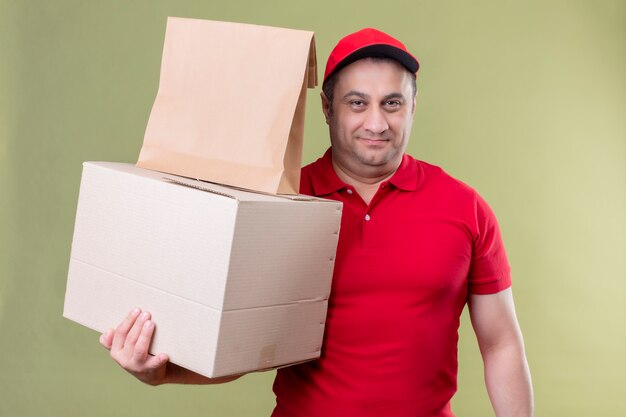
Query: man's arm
129	344
500	340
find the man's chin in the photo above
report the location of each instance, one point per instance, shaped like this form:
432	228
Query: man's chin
373	158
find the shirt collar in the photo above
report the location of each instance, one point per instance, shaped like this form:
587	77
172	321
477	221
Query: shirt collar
407	175
325	180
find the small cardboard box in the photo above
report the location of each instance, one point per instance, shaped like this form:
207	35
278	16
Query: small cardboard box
236	281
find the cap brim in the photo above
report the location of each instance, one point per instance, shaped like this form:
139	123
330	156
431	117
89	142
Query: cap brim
379	51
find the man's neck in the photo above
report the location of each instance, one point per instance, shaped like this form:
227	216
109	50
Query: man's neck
365	183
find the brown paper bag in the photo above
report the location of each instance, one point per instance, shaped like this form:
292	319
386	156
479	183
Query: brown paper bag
230	105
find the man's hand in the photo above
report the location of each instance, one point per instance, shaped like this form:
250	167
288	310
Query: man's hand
129	344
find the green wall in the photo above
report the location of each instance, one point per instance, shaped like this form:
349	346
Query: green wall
526	101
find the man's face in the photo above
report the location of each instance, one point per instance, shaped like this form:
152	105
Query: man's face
371	116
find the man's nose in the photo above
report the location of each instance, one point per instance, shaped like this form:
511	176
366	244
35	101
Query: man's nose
375	120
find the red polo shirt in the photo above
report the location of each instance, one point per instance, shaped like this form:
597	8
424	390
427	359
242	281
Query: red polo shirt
405	264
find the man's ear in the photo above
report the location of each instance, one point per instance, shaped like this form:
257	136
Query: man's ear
326	106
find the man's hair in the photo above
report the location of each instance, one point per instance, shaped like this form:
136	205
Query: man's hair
329	86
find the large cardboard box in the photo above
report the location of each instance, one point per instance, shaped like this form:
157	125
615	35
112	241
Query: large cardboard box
236	281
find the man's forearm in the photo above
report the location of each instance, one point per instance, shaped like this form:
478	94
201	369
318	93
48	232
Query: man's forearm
508	380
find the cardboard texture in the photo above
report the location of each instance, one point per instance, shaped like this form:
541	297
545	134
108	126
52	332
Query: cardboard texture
236	281
230	105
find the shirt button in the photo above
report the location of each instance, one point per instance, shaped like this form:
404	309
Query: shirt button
367	217
349	191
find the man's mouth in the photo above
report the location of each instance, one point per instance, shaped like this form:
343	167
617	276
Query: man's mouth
373	141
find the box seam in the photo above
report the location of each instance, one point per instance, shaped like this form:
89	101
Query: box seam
295	302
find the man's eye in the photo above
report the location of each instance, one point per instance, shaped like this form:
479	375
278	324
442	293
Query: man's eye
357	103
392	103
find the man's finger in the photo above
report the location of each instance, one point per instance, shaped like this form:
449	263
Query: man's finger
134	332
142	346
106	339
155	362
122	330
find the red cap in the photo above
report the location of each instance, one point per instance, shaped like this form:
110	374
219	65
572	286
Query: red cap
366	43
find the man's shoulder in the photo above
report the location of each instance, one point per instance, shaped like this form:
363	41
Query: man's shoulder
306	170
307	173
434	176
320	161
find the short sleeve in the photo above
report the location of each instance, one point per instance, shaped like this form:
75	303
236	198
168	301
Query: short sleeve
489	270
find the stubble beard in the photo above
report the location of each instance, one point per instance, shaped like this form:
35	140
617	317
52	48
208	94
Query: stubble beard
377	158
373	159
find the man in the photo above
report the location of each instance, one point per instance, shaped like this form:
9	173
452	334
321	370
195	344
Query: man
415	246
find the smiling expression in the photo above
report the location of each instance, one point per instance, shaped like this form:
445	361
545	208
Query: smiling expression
371	116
